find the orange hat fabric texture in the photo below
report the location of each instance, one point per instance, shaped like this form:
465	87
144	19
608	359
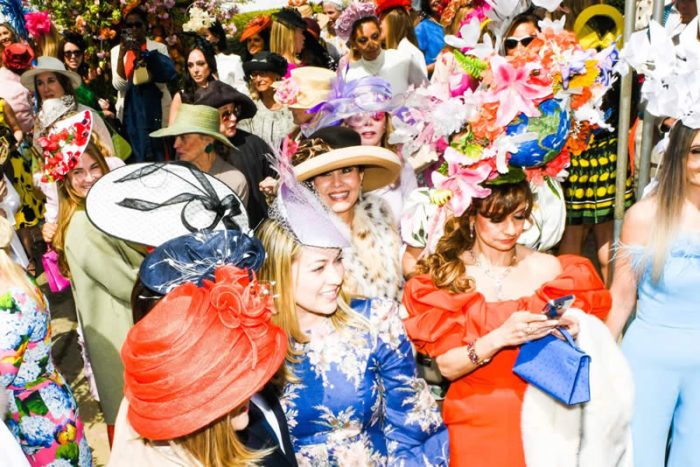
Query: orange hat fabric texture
200	353
254	26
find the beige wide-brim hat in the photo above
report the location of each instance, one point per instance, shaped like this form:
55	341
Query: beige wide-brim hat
381	166
49	64
199	119
313	84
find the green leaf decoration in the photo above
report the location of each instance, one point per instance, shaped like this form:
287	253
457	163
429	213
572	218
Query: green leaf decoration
443	169
514	175
21	409
35	404
551	186
6	302
68	451
471	65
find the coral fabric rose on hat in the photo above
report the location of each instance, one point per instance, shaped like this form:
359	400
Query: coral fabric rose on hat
64	145
200	353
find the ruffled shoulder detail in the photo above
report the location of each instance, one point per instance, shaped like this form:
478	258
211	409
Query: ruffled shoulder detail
580	278
436	320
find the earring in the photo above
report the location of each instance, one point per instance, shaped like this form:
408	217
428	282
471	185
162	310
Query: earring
472	233
209	148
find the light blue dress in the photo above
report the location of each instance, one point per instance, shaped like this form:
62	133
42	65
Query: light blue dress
662	346
359	400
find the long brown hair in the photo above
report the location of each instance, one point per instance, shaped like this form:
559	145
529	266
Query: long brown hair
69	201
445	267
670	195
399	25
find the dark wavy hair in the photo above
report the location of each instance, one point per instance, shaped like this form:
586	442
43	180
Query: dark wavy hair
446	269
218	30
188	84
77	40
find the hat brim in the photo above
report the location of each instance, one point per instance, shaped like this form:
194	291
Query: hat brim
601	10
381	166
289	19
181	128
27	78
249	67
106	210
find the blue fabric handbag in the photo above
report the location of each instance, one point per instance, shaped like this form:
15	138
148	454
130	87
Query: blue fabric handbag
557	367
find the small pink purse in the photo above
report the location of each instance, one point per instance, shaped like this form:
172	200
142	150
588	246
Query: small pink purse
57	282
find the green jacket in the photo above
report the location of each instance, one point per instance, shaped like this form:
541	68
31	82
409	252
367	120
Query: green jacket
103	272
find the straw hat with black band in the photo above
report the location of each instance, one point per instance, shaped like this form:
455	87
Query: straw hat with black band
46	64
381	166
199	119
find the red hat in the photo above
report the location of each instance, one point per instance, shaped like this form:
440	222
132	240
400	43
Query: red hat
312	27
386	5
17	56
200	353
254	26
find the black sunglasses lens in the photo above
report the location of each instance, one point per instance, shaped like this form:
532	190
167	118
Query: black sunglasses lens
511	44
527	41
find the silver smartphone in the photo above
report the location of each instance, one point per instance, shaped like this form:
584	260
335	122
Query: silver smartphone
557	306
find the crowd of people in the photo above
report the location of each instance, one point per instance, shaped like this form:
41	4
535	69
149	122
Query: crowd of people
341	246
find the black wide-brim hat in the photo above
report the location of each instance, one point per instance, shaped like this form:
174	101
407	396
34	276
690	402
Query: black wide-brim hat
290	17
219	94
266	61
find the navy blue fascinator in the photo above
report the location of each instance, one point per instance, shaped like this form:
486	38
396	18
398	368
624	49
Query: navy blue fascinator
194	257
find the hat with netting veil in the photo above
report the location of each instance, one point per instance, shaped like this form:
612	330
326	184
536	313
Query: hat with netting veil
151	203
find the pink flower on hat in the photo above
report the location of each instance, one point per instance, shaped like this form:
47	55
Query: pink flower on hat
288	92
38	23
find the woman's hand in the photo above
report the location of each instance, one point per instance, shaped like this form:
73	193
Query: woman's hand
523	326
48	231
570	323
268	186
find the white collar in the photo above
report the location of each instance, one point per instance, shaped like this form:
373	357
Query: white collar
374	66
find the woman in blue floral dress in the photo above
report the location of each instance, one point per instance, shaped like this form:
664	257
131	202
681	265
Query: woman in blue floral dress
43	414
352	396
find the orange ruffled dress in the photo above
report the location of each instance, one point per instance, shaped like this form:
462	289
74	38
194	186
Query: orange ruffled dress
482	409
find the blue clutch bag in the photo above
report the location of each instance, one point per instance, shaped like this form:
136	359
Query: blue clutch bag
557	367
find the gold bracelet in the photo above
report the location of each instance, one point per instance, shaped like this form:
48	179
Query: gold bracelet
474	357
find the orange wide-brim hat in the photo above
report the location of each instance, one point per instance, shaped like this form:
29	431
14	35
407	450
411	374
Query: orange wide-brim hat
199	354
254	26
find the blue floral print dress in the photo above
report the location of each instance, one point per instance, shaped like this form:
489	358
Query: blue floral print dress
359	401
43	415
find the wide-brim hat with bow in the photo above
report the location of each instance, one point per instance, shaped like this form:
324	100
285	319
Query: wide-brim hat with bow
200	353
198	119
151	203
381	166
49	64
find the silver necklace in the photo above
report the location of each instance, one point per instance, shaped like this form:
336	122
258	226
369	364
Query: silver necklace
498	279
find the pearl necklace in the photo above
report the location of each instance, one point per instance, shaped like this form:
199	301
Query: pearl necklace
498	279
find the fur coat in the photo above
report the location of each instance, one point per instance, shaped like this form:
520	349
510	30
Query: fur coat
372	267
594	434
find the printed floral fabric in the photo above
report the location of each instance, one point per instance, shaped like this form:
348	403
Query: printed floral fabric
359	401
43	414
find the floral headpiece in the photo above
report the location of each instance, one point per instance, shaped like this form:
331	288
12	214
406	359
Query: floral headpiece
671	71
64	145
38	23
353	13
521	119
199	19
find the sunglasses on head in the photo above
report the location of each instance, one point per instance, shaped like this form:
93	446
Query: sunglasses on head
359	119
512	42
73	53
135	24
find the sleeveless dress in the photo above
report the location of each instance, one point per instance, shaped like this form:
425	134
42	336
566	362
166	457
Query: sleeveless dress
662	346
359	401
43	413
482	409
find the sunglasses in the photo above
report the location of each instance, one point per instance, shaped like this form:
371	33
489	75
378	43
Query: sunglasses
512	42
136	24
230	114
73	53
361	118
